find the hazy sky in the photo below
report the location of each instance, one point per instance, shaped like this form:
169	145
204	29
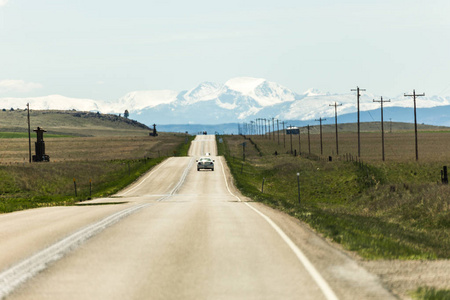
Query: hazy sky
103	49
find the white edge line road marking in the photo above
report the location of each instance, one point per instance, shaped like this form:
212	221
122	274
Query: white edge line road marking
323	285
26	269
226	181
19	273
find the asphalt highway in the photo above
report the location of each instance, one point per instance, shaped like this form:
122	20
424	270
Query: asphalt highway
177	233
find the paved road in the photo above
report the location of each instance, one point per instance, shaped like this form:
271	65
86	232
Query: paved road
182	234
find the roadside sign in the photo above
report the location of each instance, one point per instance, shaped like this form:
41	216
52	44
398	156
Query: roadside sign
292	130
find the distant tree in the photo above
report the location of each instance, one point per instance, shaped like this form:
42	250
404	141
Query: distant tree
126	114
120	115
12	109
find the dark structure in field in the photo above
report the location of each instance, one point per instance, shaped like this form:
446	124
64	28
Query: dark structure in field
444	175
40	146
154	133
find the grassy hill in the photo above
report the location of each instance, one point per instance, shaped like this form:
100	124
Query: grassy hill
73	123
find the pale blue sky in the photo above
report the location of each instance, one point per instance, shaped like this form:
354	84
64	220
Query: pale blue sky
103	49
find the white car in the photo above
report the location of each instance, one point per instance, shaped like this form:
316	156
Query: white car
205	163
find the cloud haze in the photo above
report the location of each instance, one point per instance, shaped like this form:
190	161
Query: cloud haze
20	86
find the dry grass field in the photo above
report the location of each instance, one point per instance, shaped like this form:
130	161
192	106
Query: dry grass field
434	146
104	152
106	164
80	136
16	150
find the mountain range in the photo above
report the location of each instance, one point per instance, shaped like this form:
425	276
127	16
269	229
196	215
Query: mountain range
245	99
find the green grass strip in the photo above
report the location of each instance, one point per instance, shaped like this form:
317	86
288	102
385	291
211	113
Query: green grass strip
427	293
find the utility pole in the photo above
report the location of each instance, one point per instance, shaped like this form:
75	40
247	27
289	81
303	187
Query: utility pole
260	126
414	95
321	144
268	121
382	123
309	142
278	130
29	133
273	128
299	145
284	136
265	127
290	135
359	128
390	125
335	124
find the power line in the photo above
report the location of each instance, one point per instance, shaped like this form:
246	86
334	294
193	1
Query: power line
336	126
278	129
321	144
273	128
359	128
414	95
382	123
309	142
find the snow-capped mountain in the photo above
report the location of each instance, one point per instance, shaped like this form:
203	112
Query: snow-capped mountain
243	99
238	100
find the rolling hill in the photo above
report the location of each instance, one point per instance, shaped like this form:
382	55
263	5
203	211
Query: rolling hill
74	123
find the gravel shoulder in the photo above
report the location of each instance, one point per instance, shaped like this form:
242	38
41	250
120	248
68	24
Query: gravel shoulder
402	277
